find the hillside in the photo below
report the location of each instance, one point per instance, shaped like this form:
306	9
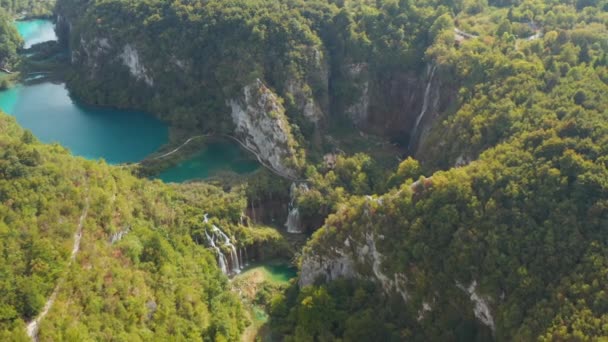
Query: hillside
445	161
119	255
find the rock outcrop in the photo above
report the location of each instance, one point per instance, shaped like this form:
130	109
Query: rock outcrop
391	104
358	111
357	255
130	58
352	261
261	124
481	307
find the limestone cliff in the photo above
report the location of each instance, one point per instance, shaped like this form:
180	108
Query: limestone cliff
261	124
119	63
390	103
366	253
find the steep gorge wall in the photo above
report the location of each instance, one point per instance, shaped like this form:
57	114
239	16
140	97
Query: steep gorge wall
388	103
127	69
191	86
365	253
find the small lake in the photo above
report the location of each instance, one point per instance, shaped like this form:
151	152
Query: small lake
273	271
36	31
215	156
52	115
118	136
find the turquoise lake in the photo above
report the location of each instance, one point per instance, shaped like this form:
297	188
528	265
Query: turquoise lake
117	136
36	31
214	157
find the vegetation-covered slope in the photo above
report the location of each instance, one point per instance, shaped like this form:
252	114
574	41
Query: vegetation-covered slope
505	237
10	40
29	8
511	246
138	272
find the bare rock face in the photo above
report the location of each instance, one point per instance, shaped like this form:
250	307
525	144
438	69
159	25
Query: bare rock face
130	58
314	267
359	256
352	261
91	52
358	111
481	307
261	124
402	105
94	52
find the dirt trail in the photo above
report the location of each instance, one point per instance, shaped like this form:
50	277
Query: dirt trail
33	326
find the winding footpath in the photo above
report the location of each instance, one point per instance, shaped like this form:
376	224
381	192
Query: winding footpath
180	146
262	162
33	326
245	146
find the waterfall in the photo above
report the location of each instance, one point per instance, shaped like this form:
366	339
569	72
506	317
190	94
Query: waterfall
233	256
293	224
293	220
425	102
221	258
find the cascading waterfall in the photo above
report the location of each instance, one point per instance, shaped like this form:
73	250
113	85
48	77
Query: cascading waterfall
217	235
425	103
221	258
233	256
293	224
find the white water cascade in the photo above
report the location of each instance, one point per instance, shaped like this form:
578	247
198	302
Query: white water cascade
243	261
236	268
294	223
425	103
221	258
219	237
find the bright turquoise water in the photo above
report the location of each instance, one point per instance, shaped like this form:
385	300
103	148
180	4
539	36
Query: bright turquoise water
36	31
281	273
274	271
215	156
118	136
52	115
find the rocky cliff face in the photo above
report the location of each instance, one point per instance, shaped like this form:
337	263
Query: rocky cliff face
358	254
261	124
352	260
390	103
357	257
100	54
130	58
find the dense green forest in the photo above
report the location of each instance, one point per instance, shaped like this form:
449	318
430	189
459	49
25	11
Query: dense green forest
491	225
10	41
29	8
140	271
526	221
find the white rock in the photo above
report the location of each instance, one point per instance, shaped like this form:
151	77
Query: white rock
130	58
482	307
260	121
